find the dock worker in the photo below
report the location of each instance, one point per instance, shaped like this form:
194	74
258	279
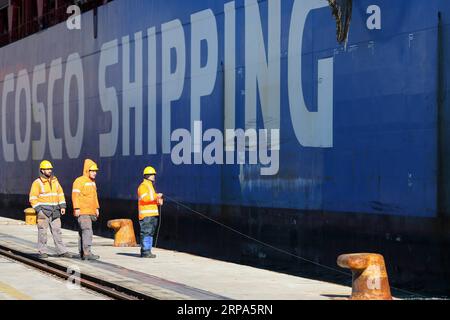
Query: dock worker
86	207
148	204
47	199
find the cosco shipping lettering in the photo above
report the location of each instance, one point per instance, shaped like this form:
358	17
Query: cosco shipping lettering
245	150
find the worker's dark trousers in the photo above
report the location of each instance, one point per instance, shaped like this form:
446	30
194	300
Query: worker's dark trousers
148	230
86	233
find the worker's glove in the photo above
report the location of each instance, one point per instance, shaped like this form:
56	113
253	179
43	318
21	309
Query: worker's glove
160	199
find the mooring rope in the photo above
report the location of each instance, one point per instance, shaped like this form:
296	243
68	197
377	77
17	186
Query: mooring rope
342	11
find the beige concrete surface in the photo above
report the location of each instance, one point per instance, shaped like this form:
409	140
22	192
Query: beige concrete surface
20	282
175	275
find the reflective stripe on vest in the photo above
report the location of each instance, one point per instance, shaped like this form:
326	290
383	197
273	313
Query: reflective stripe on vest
46	204
143	196
42	185
148	211
48	194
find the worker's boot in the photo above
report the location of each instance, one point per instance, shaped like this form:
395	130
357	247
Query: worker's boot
148	255
91	257
68	255
146	249
43	256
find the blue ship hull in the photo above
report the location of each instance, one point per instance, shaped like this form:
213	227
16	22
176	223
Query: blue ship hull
361	159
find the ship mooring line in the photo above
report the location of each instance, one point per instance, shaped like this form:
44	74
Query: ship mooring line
413	294
159	227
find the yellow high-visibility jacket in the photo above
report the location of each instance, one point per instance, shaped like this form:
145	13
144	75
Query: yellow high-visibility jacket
84	192
47	195
148	200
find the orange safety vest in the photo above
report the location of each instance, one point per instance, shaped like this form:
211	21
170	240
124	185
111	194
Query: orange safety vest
148	200
84	192
46	195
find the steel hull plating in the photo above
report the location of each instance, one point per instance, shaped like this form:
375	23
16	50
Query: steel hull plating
361	160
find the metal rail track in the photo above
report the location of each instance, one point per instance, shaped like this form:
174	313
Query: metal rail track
103	287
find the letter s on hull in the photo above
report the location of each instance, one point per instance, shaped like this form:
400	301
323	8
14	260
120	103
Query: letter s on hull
312	129
109	56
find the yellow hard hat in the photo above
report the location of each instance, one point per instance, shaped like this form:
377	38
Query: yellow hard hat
45	165
149	170
94	167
